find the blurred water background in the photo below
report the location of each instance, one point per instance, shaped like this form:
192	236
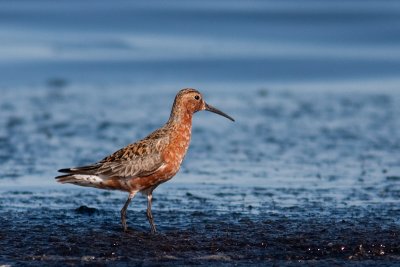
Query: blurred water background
313	85
182	43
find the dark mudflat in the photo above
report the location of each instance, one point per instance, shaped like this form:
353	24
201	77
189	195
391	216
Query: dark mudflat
86	235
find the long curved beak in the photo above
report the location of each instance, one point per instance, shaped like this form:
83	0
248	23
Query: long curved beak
217	111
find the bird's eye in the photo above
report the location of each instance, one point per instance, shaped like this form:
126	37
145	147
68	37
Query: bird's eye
197	97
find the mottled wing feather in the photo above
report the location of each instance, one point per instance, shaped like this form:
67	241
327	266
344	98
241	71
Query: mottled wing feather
134	167
139	159
135	160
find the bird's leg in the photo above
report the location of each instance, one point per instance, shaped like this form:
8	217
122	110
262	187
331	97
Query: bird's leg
123	211
148	213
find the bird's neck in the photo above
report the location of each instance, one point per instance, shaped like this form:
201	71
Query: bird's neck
180	131
180	128
181	122
180	116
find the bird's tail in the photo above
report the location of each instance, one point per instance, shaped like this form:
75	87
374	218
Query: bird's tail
82	180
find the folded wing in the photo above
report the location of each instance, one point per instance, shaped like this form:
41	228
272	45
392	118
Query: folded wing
136	160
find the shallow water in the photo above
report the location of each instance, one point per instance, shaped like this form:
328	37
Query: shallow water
308	174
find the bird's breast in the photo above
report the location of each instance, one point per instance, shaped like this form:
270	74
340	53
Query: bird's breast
176	150
173	155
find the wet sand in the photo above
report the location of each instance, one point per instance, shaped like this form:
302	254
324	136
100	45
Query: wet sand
196	233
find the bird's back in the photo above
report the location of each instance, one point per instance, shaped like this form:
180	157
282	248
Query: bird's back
155	158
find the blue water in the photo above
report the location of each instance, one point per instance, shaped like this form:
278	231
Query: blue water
186	43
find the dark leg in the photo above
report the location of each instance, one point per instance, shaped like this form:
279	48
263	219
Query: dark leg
149	215
123	211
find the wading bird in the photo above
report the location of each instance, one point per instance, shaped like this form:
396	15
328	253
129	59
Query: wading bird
144	165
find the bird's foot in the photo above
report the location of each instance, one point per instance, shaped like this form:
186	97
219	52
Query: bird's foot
153	230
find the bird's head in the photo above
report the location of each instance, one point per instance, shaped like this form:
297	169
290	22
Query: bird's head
190	100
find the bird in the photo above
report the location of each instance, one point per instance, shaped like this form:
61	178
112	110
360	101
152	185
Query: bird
144	165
